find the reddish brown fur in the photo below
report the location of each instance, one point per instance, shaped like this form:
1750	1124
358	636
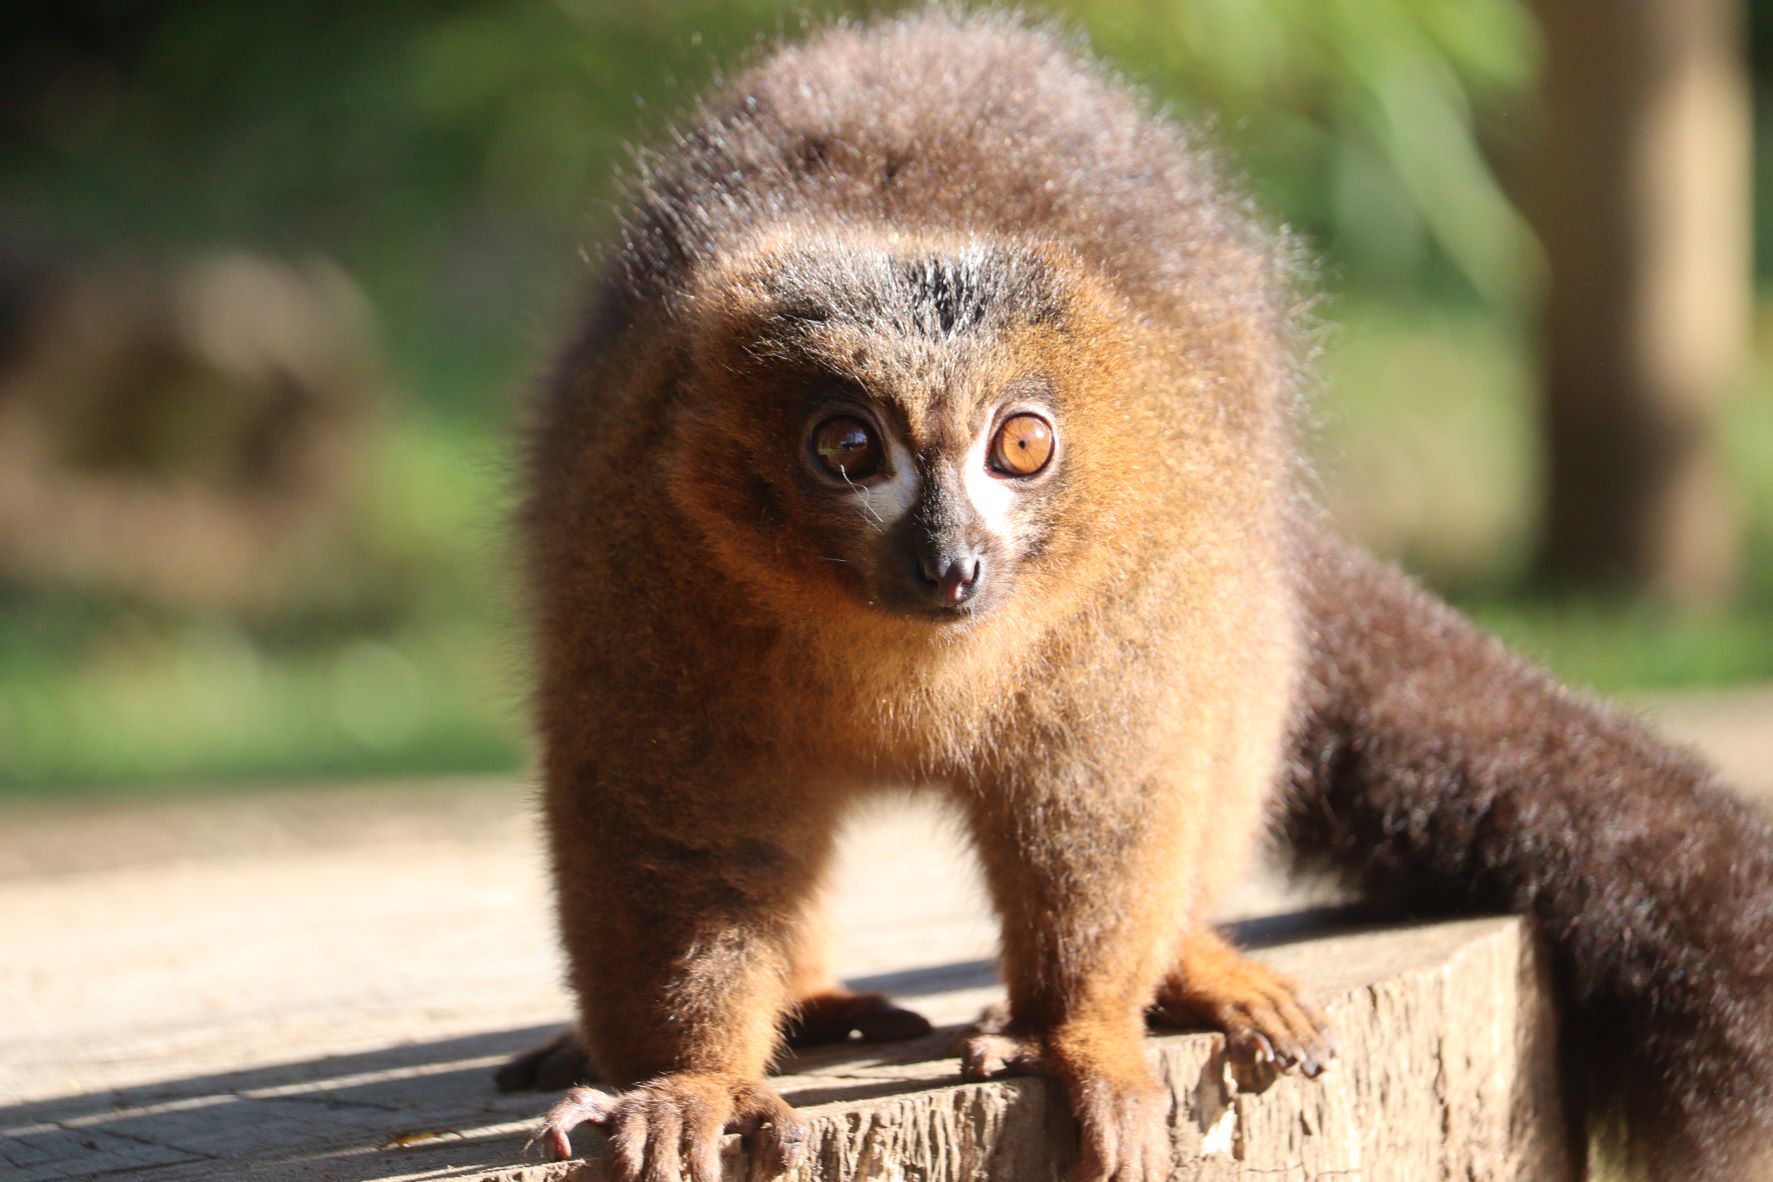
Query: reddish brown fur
936	215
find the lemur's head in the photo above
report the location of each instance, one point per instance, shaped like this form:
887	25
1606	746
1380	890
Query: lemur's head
901	426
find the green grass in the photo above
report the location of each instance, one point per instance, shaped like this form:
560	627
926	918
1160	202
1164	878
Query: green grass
397	652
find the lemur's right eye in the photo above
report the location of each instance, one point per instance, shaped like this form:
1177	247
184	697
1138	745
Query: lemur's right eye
847	448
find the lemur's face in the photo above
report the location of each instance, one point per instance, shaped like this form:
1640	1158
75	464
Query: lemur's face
894	429
935	513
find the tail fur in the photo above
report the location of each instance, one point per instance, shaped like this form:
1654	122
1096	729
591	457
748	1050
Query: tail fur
1432	766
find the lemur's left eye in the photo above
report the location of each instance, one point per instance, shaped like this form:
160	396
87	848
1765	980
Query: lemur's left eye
1023	445
846	447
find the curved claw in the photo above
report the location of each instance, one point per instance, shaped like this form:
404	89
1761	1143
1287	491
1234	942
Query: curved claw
1281	1030
1268	1021
1121	1111
581	1106
670	1127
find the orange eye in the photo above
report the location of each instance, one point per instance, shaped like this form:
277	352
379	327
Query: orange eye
845	447
1024	445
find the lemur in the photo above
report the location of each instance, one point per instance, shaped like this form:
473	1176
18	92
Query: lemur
934	424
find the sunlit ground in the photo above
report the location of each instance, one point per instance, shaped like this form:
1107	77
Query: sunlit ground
404	655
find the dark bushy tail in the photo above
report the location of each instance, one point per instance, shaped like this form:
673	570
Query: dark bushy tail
1432	766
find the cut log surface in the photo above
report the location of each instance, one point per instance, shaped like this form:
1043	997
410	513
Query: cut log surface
329	1011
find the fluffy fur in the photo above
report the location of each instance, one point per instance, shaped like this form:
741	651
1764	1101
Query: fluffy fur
937	219
1432	766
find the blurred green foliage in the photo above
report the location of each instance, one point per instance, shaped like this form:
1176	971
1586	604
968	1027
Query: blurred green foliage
400	657
1357	120
454	155
458	158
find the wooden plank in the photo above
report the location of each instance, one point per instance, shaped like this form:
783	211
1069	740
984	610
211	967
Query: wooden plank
333	1014
274	984
1447	1072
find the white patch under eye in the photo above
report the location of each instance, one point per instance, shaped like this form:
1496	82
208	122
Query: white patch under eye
992	497
884	502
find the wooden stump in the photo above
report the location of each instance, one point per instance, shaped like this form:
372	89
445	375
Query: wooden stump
1447	1072
317	984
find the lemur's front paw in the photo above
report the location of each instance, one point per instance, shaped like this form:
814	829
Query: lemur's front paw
1122	1111
839	1016
670	1127
1267	1019
558	1063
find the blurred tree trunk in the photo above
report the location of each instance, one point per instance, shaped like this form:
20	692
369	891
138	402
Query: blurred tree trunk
1642	205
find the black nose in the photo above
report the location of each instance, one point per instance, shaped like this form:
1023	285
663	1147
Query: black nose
950	579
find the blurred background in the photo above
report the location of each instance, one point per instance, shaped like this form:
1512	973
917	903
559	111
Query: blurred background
273	278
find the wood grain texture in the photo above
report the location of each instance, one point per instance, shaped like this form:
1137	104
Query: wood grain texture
301	1008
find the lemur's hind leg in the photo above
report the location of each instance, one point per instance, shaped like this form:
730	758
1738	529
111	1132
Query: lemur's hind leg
836	1015
1263	1014
552	1065
826	1012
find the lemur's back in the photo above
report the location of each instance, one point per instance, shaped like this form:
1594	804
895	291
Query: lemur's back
986	126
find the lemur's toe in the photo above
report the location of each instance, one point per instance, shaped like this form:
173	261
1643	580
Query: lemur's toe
1266	1018
988	1056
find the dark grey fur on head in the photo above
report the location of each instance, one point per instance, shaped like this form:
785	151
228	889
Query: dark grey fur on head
943	295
